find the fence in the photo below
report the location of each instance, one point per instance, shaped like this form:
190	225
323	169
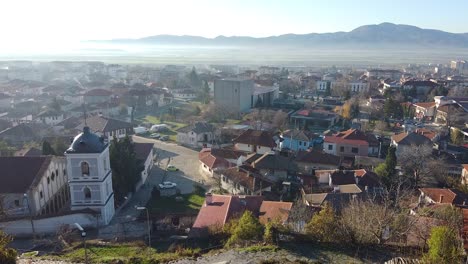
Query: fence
28	227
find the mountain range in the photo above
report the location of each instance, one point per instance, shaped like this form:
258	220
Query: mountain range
381	35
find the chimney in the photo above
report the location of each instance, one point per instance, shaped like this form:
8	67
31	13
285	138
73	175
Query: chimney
441	198
208	199
336	189
242	200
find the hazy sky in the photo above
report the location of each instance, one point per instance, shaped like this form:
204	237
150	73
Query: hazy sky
42	22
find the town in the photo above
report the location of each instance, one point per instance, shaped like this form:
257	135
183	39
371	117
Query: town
185	159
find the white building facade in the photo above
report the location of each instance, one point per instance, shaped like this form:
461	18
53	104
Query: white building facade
90	176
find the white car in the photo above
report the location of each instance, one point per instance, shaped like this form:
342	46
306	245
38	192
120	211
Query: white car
167	185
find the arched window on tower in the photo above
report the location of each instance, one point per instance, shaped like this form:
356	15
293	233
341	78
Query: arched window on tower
84	168
87	193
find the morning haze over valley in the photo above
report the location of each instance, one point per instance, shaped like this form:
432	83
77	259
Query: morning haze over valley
233	132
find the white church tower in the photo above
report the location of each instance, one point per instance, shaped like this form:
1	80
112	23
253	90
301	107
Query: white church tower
90	176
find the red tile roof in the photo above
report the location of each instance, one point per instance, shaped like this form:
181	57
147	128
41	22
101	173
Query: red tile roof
426	104
442	195
271	211
206	157
350	136
465	166
222	209
215	213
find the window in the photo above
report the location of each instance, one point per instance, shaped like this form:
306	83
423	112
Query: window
53	176
84	168
105	164
87	193
17	203
48	180
56	172
354	150
341	149
330	147
64	172
41	195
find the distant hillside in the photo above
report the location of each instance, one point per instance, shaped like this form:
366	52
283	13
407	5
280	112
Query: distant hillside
381	35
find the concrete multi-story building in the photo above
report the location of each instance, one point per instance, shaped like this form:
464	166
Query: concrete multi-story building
234	94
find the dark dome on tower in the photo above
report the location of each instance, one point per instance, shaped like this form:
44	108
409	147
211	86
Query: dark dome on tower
87	142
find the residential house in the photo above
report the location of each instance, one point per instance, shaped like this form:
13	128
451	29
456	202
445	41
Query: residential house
200	134
337	198
406	140
363	178
144	153
442	196
451	114
108	127
350	143
359	86
271	211
36	185
95	96
297	140
218	210
19	134
256	141
27	152
50	117
425	111
421	87
314	119
271	165
376	100
309	161
430	134
212	159
244	180
186	94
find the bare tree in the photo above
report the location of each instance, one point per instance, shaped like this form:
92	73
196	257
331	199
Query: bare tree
414	160
280	120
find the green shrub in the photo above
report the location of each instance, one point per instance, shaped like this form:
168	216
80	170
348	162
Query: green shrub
248	229
444	246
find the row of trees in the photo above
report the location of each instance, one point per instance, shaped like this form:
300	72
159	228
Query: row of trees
368	223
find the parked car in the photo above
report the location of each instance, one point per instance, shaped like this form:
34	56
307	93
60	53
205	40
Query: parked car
167	185
164	138
155	135
172	168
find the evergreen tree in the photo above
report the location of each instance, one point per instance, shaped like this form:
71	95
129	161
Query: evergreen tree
387	169
247	229
323	225
47	148
444	246
194	79
125	167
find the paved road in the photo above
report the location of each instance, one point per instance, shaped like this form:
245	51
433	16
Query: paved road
185	159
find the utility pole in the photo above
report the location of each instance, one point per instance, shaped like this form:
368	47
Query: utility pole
26	198
148	222
83	235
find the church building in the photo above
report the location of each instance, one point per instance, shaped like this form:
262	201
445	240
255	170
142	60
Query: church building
89	175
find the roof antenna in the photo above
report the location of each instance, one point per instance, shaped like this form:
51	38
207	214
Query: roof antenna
84	114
